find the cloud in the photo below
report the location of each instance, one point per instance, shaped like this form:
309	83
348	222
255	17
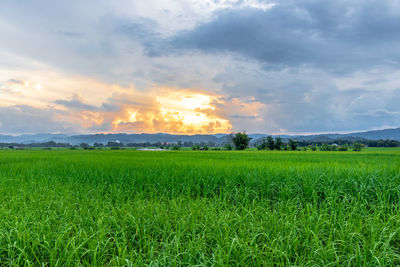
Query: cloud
337	36
28	119
14	81
169	110
163	110
70	34
75	103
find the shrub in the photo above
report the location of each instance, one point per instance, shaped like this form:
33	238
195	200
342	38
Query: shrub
84	145
325	147
195	147
228	147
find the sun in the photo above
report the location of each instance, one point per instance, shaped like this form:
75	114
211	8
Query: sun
193	110
39	86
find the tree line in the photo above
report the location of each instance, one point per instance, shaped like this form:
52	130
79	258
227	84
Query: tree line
237	141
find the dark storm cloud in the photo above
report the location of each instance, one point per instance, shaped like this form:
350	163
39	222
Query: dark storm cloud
339	36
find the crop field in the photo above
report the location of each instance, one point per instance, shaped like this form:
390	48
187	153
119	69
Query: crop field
174	208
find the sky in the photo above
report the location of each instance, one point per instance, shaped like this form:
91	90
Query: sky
199	67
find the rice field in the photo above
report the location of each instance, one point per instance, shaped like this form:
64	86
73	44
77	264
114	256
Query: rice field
204	208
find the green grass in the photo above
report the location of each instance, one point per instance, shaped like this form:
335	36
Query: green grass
115	208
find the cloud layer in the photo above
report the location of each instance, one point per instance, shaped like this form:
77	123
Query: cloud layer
260	66
336	36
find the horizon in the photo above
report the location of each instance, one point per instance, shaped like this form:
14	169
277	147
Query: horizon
213	134
199	67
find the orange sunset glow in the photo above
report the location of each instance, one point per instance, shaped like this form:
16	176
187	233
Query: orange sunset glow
181	112
94	106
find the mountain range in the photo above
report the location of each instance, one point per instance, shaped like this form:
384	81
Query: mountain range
393	134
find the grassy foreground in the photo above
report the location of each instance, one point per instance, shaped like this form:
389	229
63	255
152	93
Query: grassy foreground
199	208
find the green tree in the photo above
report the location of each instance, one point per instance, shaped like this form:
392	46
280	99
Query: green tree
241	141
270	143
357	146
293	144
278	143
205	147
84	145
262	146
98	145
195	147
114	144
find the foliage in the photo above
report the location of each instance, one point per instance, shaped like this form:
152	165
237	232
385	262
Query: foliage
382	143
262	146
228	147
357	146
325	147
270	143
313	147
175	147
196	147
84	145
292	144
334	147
241	141
114	144
278	143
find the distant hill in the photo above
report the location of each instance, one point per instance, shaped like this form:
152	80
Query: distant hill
105	138
393	134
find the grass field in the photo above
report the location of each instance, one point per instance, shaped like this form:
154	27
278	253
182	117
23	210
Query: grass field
199	208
